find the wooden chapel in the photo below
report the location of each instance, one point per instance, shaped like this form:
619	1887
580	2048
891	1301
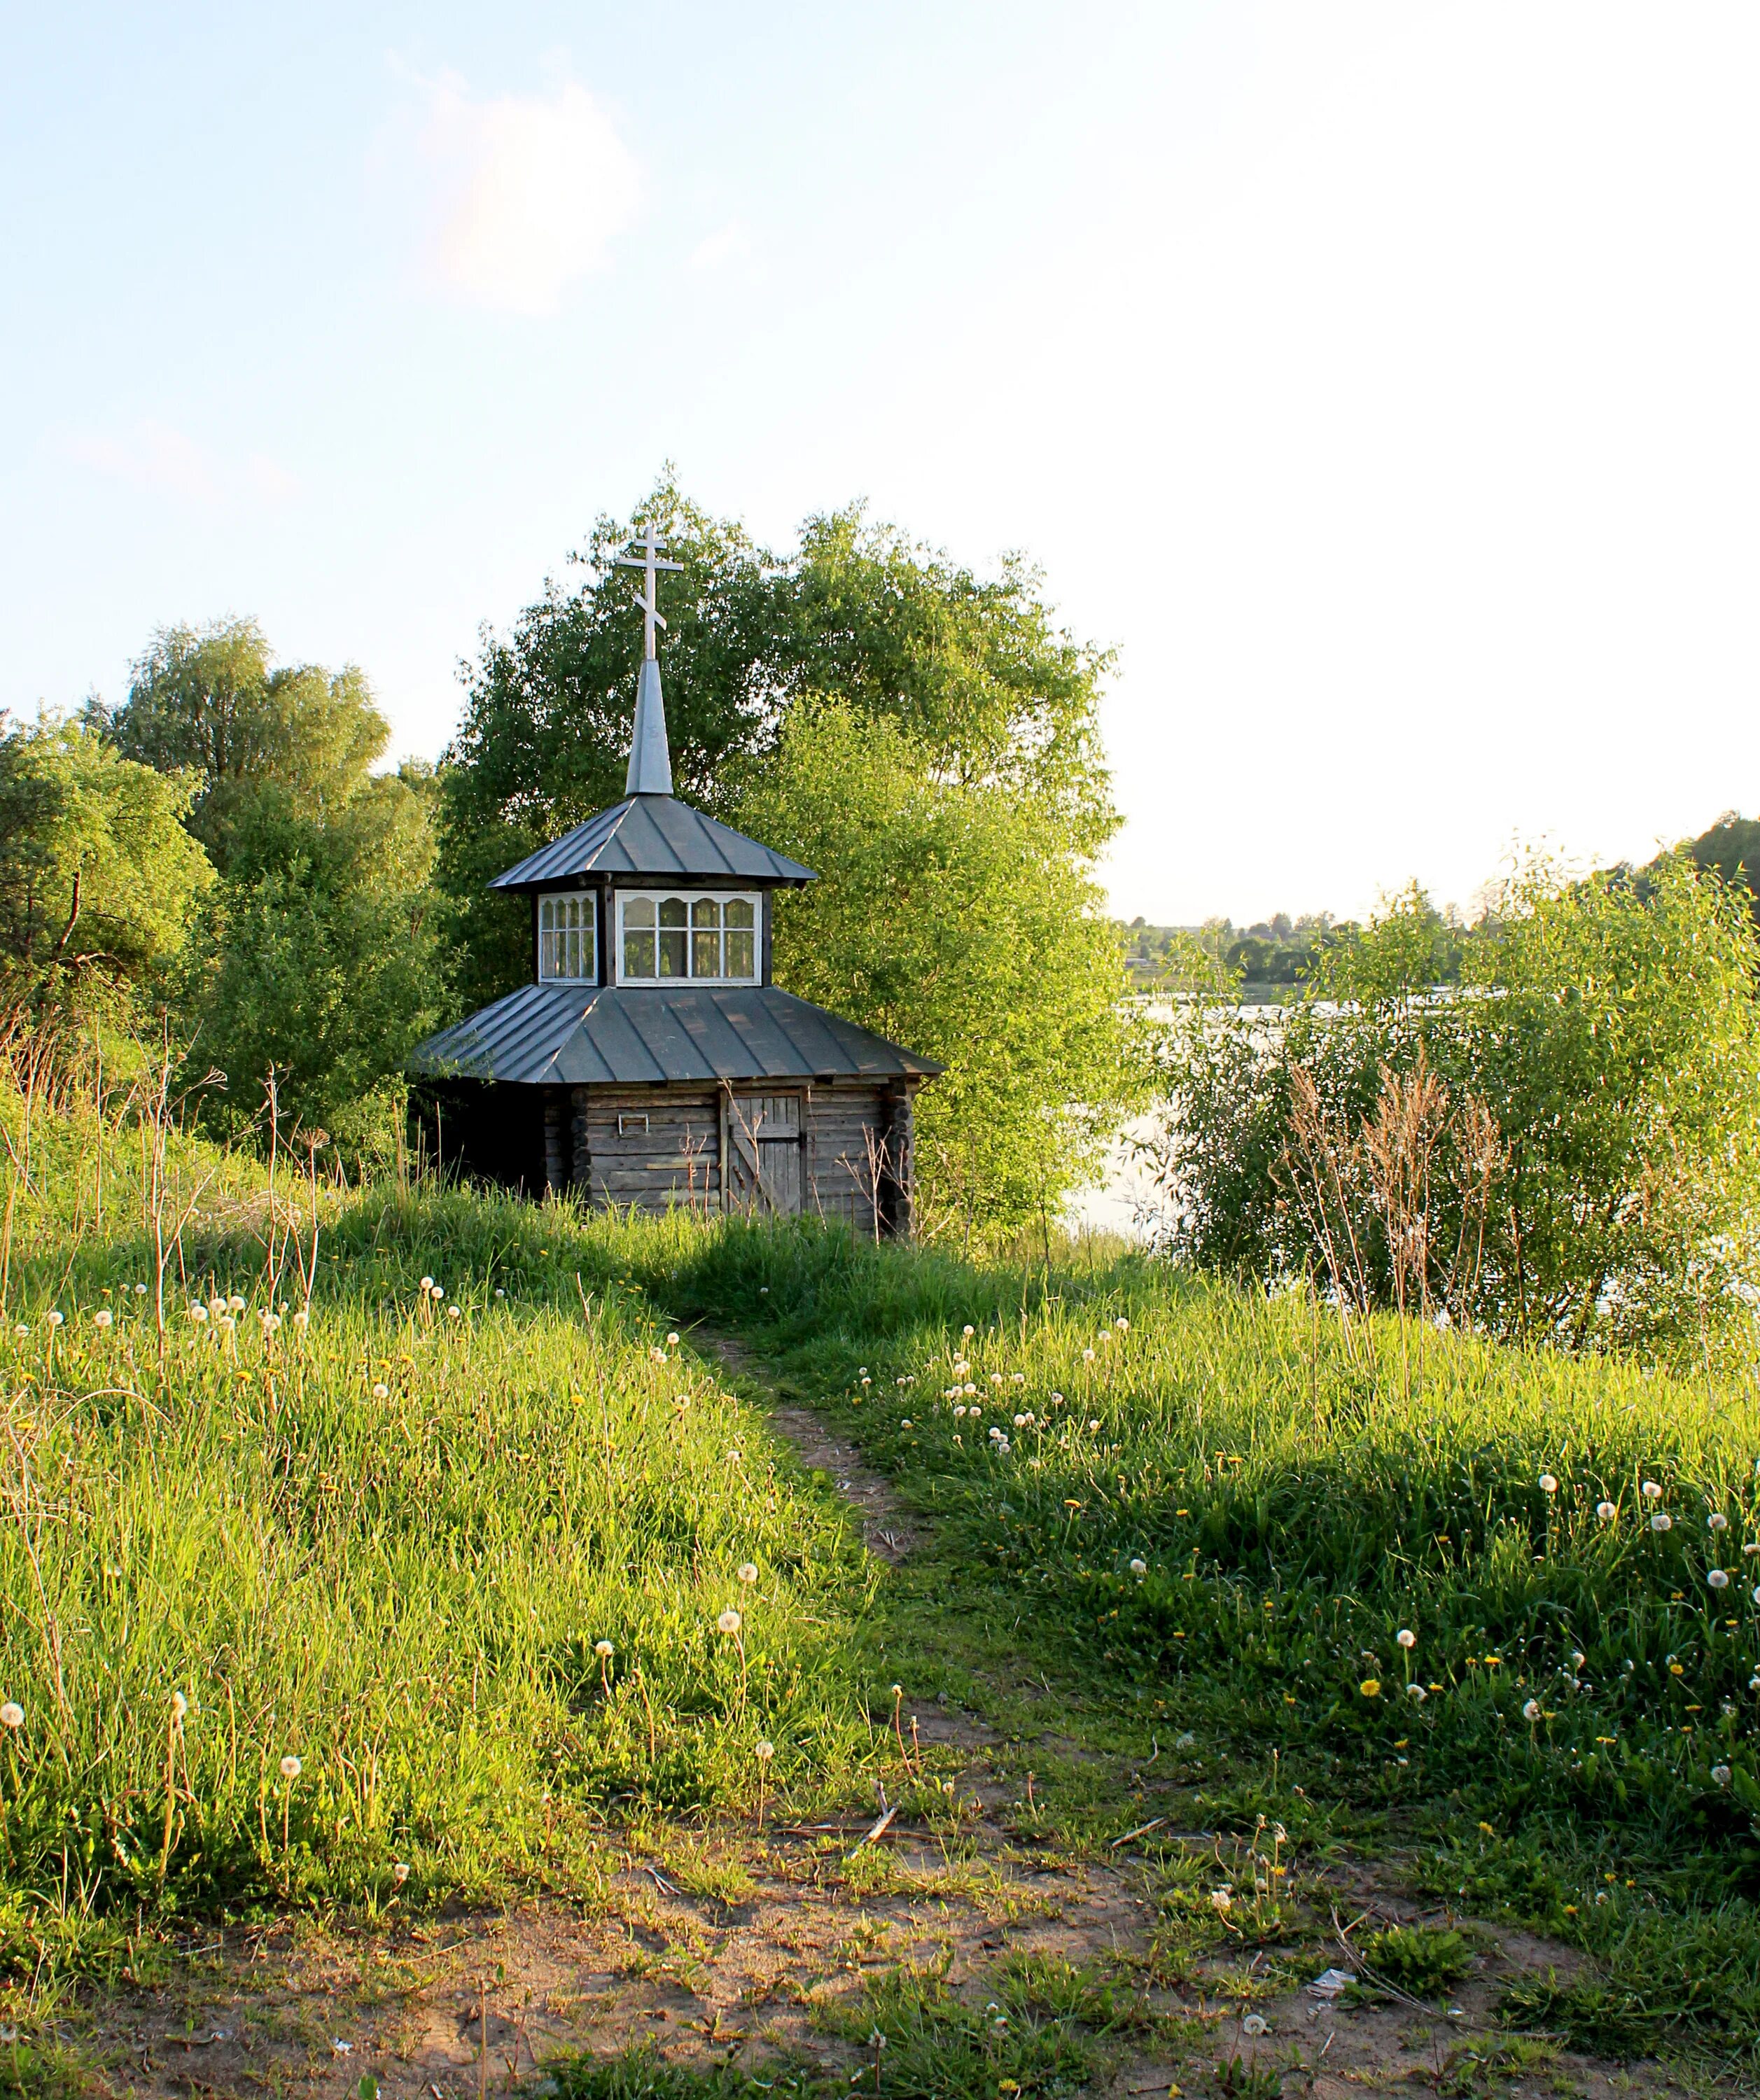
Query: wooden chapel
652	1060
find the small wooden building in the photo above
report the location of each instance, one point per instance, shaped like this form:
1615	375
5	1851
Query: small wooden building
652	1061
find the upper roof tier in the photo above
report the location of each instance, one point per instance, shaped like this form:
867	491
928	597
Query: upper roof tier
650	832
653	835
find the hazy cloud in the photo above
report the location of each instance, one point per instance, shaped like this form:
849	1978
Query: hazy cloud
731	244
533	189
157	456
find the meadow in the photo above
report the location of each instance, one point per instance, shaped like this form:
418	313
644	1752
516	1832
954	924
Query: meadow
415	1539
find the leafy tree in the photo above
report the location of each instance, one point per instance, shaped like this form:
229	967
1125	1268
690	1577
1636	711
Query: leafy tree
949	916
99	879
1611	1032
317	953
319	958
209	701
973	669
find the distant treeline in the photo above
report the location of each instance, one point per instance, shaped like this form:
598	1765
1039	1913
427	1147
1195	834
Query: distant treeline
1282	950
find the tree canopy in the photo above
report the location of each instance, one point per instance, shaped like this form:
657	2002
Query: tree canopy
211	701
99	879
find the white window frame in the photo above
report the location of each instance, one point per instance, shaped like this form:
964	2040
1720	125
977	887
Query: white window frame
724	898
588	902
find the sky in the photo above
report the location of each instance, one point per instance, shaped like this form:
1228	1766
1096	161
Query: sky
1377	379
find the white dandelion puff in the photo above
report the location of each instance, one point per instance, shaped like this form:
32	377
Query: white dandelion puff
729	1621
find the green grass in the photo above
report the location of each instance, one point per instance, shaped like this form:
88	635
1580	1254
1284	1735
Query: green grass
222	1548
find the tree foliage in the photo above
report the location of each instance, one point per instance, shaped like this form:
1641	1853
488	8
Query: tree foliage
974	669
317	954
211	701
950	916
99	879
1611	1033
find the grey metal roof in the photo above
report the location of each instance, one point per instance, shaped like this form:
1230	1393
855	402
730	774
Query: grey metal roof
652	834
588	1035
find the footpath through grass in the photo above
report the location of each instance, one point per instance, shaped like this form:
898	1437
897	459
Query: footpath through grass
1498	1609
389	1598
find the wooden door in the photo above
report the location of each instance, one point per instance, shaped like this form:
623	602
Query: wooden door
763	1147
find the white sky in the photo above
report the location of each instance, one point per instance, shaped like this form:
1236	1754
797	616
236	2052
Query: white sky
1380	378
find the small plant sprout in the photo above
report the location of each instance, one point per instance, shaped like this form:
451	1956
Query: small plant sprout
12	1715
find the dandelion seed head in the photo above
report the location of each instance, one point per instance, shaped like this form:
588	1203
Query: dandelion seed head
763	1751
1088	1356
56	1319
603	1650
749	1571
1721	1775
11	1715
400	1872
1607	1511
1718	1578
968	1331
1122	1325
1417	1691
101	1319
427	1283
1406	1638
302	1318
1139	1567
1717	1521
234	1304
1653	1491
179	1704
1661	1521
381	1391
729	1621
1548	1484
290	1767
1253	2024
1531	1709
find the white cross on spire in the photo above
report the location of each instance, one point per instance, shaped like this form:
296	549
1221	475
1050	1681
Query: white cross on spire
648	560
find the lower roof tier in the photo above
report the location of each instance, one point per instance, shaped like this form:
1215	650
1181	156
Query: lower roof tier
547	1035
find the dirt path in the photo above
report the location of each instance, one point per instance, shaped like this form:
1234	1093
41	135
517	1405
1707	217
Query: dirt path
886	1531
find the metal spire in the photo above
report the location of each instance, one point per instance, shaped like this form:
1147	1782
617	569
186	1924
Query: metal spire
651	764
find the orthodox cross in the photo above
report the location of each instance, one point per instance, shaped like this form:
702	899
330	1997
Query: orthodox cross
648	560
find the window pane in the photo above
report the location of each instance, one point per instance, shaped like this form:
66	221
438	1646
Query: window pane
706	911
673	912
705	953
639	911
739	912
672	950
739	954
638	954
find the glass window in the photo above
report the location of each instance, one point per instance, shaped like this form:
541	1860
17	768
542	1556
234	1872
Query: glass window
638	936
708	939
568	939
741	919
674	918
